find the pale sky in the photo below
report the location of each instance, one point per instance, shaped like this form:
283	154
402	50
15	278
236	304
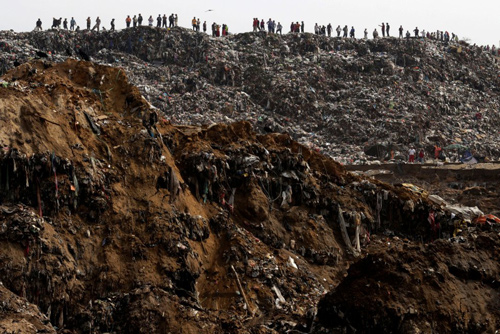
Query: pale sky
477	20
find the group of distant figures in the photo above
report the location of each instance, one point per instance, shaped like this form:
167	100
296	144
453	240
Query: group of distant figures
296	27
260	25
385	30
161	21
216	28
135	21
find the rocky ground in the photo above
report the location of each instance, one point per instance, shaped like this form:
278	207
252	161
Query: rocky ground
113	221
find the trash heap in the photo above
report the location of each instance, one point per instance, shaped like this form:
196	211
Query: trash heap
337	96
20	316
113	219
404	287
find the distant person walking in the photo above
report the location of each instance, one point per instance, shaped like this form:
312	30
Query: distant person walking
411	154
279	28
97	24
193	23
437	152
255	24
112	23
38	26
421	156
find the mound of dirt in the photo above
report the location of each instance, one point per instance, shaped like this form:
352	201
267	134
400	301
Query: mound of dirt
20	316
114	220
404	287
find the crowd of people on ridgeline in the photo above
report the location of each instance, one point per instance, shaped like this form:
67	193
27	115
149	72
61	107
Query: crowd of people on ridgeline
270	27
136	21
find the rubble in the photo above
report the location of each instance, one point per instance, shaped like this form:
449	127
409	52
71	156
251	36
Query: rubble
115	217
338	96
20	316
403	287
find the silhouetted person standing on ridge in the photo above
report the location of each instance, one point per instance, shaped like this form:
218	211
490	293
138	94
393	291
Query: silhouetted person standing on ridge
97	24
38	26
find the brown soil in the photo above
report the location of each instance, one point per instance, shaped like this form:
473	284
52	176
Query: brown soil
405	287
106	228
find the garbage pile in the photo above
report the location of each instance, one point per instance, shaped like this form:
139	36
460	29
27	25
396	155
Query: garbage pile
113	219
337	96
19	316
404	287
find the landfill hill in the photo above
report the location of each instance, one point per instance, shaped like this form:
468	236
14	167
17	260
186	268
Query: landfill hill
109	225
104	228
354	100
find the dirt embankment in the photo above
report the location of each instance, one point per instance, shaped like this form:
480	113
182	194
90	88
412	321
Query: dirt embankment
114	220
405	287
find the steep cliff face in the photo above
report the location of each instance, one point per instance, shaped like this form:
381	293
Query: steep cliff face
113	219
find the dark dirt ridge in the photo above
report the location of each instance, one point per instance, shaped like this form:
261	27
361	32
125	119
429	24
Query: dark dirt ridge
404	287
104	228
339	96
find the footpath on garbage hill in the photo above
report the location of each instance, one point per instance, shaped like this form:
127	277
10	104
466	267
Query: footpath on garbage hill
117	218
